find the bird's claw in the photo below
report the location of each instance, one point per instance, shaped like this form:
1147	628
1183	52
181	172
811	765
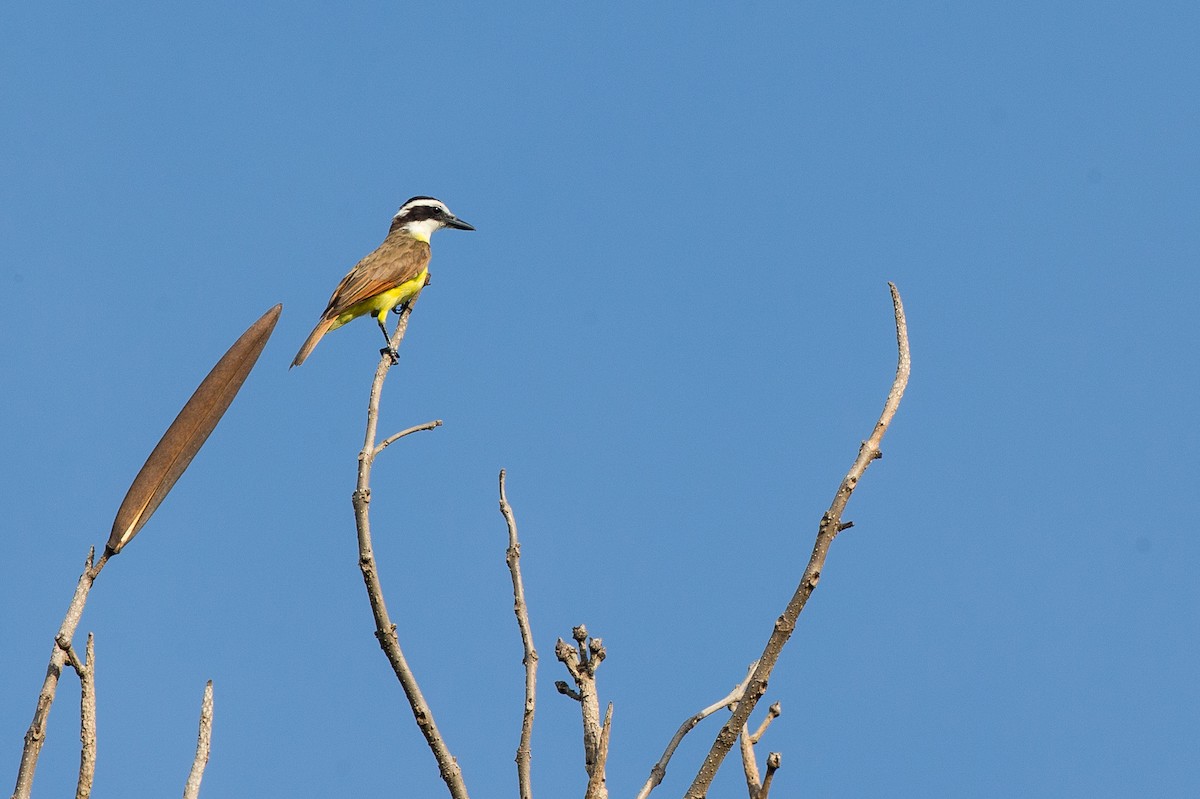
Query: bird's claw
391	351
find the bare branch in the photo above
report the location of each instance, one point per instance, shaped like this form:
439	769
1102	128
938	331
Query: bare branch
581	662
87	722
749	763
72	655
746	743
773	712
660	768
569	657
774	760
597	787
385	363
597	651
385	630
392	439
826	532
191	789
167	461
35	737
513	558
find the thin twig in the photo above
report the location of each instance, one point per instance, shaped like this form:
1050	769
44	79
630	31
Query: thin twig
191	789
392	439
513	558
385	630
597	787
35	737
773	712
87	722
660	768
826	532
774	761
565	690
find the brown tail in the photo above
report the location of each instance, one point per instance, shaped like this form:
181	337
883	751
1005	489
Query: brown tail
313	338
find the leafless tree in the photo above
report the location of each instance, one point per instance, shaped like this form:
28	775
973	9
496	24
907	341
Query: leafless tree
582	658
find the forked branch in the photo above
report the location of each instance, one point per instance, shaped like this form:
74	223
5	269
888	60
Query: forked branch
385	630
830	526
167	461
746	742
581	662
36	735
660	768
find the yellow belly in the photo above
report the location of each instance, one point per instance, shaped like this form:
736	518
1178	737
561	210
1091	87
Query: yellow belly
379	305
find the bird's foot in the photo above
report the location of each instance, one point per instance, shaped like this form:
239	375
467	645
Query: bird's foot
391	352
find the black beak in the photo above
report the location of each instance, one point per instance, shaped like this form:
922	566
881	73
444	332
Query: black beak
455	222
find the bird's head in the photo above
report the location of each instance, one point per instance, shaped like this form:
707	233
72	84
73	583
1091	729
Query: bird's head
420	216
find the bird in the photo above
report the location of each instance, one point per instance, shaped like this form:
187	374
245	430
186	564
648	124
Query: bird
388	278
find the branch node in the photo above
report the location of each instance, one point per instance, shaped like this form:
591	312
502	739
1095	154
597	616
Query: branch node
72	656
598	652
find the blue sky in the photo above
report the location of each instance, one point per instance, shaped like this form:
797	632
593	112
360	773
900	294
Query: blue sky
672	327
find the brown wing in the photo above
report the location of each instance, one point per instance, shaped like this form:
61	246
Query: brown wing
398	259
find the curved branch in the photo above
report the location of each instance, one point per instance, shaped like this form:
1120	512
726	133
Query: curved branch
660	768
392	439
830	526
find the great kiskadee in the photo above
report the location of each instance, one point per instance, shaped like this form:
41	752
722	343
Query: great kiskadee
390	276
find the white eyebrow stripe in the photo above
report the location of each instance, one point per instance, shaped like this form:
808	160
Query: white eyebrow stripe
424	203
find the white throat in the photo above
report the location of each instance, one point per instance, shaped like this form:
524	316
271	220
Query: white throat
422	230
